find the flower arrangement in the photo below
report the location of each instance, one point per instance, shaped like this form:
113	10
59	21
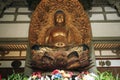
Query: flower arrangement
64	75
38	76
86	76
61	75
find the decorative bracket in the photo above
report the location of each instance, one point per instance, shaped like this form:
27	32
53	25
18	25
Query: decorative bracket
3	5
116	4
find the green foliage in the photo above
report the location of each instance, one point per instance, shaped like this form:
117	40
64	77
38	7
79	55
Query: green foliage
17	76
106	76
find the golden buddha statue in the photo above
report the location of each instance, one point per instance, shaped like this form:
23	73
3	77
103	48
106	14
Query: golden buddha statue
59	36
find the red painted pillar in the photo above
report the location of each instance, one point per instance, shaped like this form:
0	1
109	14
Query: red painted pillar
0	77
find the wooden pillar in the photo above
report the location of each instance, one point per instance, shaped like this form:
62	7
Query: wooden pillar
28	71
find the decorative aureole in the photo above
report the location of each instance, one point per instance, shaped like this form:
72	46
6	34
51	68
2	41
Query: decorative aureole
59	36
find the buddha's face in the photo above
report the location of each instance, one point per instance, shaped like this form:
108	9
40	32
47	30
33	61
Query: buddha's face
59	18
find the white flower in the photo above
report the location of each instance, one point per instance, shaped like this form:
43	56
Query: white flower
77	78
45	78
90	76
30	78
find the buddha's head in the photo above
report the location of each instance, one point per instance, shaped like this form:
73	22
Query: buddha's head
59	18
